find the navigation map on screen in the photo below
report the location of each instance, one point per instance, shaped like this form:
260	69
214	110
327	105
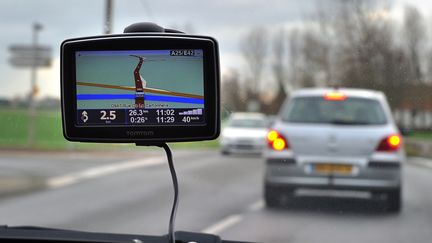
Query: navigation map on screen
140	87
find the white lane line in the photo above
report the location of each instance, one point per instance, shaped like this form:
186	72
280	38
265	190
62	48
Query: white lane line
91	173
256	206
421	161
223	224
232	220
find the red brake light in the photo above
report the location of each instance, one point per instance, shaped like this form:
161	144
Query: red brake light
390	144
276	141
335	95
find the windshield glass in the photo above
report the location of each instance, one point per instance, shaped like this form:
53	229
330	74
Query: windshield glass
352	111
355	170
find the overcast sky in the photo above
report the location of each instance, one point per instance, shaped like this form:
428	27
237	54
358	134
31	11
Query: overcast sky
226	20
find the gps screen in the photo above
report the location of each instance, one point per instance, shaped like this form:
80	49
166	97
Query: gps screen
140	87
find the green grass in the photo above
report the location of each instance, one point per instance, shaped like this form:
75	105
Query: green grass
48	133
424	135
214	144
14	128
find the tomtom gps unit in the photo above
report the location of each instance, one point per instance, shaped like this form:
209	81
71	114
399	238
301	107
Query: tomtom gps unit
140	87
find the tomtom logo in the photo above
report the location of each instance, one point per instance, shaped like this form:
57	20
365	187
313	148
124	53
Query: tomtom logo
139	133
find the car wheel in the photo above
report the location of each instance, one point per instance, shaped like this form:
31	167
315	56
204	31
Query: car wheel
271	196
277	196
394	200
225	152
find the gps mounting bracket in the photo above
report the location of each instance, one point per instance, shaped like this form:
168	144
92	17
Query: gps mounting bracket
179	236
148	27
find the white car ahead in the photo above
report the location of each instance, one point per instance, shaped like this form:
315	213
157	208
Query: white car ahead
339	139
244	133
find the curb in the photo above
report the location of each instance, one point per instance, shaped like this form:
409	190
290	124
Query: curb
418	148
11	186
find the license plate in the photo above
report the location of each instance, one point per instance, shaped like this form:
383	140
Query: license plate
333	169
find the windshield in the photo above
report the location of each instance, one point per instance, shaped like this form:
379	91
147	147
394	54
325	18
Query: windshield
352	111
352	170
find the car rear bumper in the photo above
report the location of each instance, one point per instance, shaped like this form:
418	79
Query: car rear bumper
376	175
334	183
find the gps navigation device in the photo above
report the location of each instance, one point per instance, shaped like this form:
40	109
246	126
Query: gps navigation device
140	87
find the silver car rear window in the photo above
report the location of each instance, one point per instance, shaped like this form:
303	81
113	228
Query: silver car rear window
351	111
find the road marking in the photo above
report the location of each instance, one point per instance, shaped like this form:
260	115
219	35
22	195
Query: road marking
147	89
225	223
421	162
91	173
232	220
258	205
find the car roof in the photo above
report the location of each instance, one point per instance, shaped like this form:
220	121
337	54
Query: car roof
349	92
247	115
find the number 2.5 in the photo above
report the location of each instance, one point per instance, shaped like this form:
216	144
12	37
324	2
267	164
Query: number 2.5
105	116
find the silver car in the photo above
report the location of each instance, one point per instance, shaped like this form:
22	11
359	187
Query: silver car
334	139
244	133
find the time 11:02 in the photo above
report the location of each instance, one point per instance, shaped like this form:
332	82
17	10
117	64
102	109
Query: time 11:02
163	112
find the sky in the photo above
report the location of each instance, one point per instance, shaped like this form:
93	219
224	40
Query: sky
226	20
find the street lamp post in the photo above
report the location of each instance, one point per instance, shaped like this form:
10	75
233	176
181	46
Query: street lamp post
33	85
108	16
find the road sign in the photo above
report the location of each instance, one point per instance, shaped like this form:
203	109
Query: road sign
22	62
21	47
30	56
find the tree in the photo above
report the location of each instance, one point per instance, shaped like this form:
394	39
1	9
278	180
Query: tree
364	46
232	92
295	59
253	47
279	70
316	59
414	34
352	41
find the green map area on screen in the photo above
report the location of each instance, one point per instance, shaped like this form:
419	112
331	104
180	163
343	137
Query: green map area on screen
140	79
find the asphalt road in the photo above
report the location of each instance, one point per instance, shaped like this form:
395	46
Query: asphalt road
132	193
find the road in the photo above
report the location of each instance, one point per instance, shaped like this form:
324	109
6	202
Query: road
133	194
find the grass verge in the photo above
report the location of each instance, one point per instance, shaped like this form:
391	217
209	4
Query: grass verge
49	136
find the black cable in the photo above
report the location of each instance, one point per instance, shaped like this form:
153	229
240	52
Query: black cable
171	235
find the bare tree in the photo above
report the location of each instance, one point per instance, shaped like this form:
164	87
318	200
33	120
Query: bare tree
316	57
353	42
295	59
364	43
253	47
414	34
309	58
428	76
232	92
279	69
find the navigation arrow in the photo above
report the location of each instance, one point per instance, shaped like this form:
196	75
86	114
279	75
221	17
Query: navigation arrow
84	116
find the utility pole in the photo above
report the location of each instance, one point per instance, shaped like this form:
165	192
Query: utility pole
31	56
33	86
108	16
